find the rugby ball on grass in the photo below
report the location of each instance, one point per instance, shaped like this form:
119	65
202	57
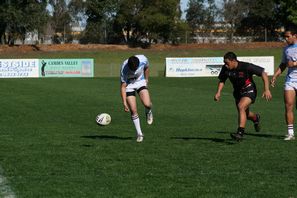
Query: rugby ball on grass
103	119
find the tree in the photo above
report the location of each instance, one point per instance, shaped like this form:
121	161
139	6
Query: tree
127	20
195	14
261	20
287	11
77	10
161	18
34	16
233	12
202	16
61	21
211	13
144	20
99	14
19	17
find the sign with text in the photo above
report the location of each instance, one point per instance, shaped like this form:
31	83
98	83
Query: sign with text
19	68
210	66
66	67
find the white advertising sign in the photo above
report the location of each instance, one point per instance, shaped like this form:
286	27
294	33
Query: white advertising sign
210	66
19	68
267	62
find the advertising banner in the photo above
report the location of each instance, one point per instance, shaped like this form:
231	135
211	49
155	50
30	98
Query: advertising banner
66	67
19	68
210	66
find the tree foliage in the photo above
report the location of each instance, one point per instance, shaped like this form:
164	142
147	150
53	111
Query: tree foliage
287	11
61	21
234	12
260	20
148	20
161	18
202	16
19	17
142	22
211	13
99	14
126	22
195	14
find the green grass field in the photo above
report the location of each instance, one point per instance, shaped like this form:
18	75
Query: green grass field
52	147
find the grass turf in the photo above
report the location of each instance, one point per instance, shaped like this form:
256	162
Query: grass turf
51	146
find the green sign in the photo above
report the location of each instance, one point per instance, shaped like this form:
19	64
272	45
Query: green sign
66	67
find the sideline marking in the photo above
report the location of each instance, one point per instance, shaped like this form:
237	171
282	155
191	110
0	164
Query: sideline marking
5	190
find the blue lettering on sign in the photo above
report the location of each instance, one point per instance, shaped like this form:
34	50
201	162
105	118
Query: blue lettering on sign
188	70
15	68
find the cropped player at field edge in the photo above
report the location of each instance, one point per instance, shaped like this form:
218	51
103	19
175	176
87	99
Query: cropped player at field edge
135	78
240	75
289	59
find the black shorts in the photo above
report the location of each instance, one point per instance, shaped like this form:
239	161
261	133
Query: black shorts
249	92
132	93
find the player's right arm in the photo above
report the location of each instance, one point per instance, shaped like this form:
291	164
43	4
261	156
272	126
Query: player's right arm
222	79
266	94
124	96
277	73
282	66
123	79
219	90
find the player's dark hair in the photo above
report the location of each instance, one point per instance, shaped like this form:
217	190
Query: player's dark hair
230	56
133	63
291	28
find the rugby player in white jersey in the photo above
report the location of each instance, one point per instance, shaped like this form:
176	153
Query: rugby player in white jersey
135	78
289	59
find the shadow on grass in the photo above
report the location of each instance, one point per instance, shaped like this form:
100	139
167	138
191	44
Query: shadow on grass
216	140
262	135
265	135
106	137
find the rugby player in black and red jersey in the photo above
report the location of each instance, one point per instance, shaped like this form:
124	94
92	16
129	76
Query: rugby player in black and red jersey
240	75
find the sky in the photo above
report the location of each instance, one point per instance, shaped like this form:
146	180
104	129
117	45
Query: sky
184	5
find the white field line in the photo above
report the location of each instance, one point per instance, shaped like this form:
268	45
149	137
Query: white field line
5	190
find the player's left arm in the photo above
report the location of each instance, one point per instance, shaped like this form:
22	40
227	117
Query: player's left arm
146	74
260	71
292	63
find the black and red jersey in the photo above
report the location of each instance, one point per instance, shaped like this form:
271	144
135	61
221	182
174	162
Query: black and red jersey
242	76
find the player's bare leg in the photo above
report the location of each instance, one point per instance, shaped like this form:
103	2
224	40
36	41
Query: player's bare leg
242	107
146	101
255	118
131	101
290	97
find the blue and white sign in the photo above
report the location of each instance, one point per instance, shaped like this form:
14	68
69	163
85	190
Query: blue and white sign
192	67
210	66
34	68
19	68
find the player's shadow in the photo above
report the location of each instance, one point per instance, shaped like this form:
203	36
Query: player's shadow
106	137
262	135
265	135
216	140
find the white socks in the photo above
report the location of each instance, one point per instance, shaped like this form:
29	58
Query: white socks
290	129
136	122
